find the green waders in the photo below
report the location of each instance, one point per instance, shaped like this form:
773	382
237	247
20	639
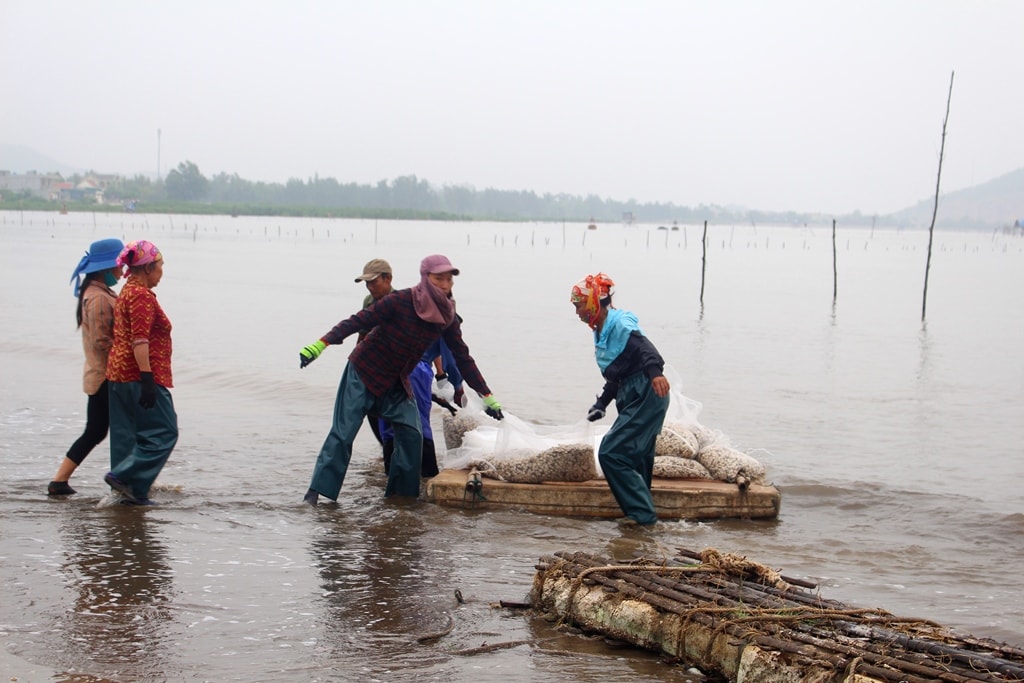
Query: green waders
141	439
626	454
353	403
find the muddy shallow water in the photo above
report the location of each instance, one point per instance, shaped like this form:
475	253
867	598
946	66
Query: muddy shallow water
896	445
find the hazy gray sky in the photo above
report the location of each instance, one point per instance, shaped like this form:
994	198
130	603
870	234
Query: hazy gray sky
811	106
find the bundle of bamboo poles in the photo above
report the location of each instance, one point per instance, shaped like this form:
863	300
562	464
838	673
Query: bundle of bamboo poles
728	615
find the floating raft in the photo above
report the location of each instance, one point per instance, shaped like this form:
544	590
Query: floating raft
673	498
744	621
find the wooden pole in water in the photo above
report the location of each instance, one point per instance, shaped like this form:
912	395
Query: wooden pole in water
703	260
935	210
835	275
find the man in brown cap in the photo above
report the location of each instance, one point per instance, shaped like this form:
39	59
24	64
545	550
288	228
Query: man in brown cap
377	276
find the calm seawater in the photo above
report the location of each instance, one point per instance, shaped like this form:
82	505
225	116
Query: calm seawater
896	444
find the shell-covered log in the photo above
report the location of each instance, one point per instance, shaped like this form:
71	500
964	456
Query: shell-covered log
747	622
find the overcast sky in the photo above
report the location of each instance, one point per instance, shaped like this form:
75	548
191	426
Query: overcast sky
781	105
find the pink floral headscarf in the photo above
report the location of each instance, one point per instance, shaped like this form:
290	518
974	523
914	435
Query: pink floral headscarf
137	253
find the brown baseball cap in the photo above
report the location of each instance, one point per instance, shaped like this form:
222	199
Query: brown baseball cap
374	269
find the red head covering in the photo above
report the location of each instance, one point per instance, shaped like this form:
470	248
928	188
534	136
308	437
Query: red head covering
592	289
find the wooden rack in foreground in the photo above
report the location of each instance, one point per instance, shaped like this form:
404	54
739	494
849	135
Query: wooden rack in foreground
745	621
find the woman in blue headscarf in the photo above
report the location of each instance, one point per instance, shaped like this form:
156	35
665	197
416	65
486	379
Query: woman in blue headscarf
633	372
96	273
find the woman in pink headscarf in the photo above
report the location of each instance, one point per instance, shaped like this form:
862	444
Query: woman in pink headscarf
633	373
401	327
143	423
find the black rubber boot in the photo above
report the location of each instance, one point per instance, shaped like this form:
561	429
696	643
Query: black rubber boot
428	466
389	450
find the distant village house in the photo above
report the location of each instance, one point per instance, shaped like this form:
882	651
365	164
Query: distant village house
53	187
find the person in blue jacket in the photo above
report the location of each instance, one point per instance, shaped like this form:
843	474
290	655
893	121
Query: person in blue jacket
633	372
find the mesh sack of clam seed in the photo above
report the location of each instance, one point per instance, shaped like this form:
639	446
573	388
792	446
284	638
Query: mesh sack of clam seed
725	463
705	435
456	426
513	440
564	462
676	439
671	467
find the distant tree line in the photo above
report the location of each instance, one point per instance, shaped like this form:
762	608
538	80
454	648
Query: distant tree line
186	190
187	184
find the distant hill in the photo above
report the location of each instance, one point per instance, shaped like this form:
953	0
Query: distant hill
22	159
994	204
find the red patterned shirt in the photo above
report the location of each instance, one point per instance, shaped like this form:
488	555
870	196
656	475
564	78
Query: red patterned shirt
138	318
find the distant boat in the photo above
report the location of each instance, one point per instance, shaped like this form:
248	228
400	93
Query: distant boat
592	225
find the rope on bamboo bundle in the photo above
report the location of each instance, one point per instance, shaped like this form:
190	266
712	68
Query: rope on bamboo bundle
656	568
577	581
738	565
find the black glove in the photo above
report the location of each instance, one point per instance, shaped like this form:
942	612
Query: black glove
596	412
443	403
148	397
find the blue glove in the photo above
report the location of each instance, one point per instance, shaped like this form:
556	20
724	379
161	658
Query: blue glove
596	412
493	407
310	353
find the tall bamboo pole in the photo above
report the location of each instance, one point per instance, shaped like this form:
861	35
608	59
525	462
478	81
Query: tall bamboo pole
835	272
935	210
703	261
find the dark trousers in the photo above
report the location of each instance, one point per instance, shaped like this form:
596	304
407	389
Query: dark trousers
97	424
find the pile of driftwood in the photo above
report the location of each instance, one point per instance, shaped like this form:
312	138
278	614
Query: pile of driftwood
745	621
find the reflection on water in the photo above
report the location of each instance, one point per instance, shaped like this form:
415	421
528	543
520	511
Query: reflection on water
378	584
121	589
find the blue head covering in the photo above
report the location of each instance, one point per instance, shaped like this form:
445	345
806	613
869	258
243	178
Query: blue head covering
102	255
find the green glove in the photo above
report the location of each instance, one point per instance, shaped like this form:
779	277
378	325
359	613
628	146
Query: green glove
493	407
310	353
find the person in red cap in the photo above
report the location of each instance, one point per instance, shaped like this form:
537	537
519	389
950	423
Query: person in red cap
401	327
